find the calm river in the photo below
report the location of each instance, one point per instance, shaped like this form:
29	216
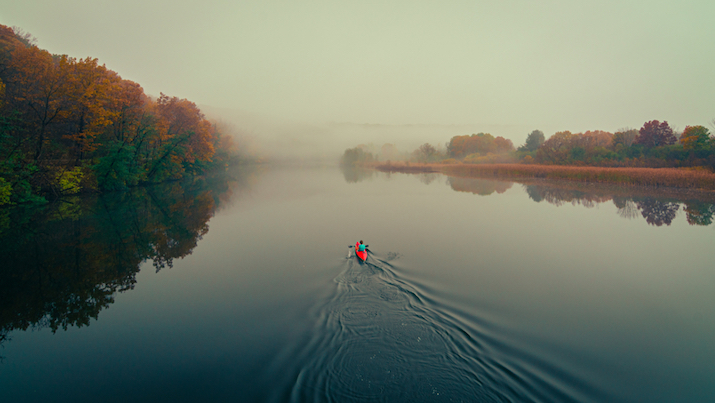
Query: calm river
243	289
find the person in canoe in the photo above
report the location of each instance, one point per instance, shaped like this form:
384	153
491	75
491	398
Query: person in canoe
360	250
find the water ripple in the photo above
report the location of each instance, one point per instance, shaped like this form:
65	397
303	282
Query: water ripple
381	338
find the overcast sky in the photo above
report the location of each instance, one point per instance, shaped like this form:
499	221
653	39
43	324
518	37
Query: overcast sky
549	65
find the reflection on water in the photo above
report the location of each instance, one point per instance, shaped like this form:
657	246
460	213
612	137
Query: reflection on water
483	187
655	210
379	337
483	298
354	174
63	263
699	212
656	207
627	208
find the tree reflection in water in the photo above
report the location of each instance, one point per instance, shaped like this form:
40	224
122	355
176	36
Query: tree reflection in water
655	210
428	178
63	263
627	208
483	187
699	213
655	206
560	196
354	174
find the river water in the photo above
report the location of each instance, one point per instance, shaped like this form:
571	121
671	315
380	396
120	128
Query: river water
243	288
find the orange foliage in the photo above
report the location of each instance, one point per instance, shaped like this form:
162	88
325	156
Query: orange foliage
182	120
596	138
40	89
481	143
694	137
62	112
93	102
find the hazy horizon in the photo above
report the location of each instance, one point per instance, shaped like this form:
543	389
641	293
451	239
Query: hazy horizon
417	71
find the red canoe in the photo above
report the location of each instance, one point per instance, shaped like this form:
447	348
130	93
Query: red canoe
361	255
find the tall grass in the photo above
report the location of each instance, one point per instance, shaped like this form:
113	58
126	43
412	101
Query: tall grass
655	177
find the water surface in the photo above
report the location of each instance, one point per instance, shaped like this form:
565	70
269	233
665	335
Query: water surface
241	288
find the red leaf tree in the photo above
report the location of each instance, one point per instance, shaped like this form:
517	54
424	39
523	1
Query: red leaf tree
655	134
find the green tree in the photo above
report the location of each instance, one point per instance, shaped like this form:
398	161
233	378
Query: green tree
533	141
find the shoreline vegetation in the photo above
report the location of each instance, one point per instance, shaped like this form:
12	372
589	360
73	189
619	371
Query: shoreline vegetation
654	156
70	126
698	179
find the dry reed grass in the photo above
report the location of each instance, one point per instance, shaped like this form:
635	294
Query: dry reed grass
654	177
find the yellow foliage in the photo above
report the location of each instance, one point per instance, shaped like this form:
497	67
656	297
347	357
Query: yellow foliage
5	192
68	208
69	181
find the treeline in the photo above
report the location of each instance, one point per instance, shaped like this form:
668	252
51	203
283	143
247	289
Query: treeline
475	148
367	153
70	125
655	145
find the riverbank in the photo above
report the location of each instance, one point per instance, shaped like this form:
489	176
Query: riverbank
695	179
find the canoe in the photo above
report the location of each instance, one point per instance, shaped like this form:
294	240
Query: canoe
361	255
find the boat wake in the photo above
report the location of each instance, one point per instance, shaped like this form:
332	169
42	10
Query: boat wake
380	338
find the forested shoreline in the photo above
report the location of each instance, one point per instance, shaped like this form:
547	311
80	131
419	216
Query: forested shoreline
654	145
71	125
656	155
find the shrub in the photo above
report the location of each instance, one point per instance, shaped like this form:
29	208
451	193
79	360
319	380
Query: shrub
69	181
5	192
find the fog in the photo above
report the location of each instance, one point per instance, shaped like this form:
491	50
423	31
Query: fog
312	78
285	139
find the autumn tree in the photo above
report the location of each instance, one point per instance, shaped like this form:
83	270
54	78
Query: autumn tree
590	140
556	149
461	146
123	154
64	121
624	138
695	137
39	93
184	138
502	145
93	106
655	134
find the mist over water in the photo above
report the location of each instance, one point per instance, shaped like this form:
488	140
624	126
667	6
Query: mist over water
474	290
286	139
